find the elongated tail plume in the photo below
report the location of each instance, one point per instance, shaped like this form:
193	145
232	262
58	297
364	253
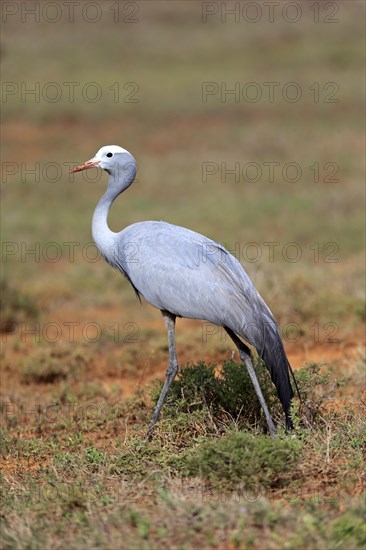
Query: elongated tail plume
276	361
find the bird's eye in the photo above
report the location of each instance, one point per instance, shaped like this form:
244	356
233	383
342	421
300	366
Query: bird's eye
109	155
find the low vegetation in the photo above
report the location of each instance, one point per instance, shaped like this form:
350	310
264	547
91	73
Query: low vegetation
210	472
52	363
76	470
16	307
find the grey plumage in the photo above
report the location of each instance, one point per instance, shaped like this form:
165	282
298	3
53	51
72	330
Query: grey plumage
185	274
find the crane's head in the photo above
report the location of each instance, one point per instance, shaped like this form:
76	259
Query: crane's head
110	158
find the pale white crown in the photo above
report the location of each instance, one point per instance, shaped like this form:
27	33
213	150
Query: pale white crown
103	151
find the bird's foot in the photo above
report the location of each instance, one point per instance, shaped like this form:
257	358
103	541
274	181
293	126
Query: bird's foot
150	433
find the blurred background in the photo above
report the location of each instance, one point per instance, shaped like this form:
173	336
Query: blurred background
247	125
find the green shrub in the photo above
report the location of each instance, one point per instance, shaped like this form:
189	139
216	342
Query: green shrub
241	457
52	363
315	389
349	530
95	458
227	397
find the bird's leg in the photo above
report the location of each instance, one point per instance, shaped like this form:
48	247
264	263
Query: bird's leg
244	353
172	369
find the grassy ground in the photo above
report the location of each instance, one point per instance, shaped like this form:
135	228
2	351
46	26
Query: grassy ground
78	351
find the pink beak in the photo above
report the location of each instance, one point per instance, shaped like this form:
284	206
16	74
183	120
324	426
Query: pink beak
88	164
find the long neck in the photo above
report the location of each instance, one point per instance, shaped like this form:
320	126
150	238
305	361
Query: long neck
102	235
